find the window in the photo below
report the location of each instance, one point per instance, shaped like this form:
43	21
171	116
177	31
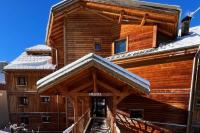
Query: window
120	46
23	100
45	99
198	102
25	120
137	113
97	44
21	81
46	119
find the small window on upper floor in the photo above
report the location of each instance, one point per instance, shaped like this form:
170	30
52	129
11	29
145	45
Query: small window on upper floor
97	44
120	46
44	99
24	119
23	100
137	113
21	81
198	101
46	119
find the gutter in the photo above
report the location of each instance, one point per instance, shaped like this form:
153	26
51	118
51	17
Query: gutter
191	105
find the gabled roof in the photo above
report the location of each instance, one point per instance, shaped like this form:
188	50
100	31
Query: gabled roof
92	60
189	41
163	15
32	62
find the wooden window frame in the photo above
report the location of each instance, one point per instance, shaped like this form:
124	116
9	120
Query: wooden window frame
113	45
20	104
142	110
21	76
47	117
94	44
45	102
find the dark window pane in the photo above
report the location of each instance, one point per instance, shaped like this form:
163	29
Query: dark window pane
21	80
23	100
45	99
46	119
25	120
136	114
97	46
120	46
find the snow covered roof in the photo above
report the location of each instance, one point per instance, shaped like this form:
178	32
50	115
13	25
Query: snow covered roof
189	41
93	60
39	48
36	62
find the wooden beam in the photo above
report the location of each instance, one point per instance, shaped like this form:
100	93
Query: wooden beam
82	87
90	94
143	19
50	29
121	16
94	76
99	14
107	86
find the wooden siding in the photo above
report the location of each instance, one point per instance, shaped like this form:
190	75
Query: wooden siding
139	37
35	121
31	76
82	28
170	80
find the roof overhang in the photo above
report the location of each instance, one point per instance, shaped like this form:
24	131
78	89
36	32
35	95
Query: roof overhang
86	64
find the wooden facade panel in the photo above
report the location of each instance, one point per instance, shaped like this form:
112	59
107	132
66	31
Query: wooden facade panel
174	74
35	104
31	78
139	37
58	122
158	109
82	28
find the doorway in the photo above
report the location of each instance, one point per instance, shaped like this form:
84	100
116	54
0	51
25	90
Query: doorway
99	107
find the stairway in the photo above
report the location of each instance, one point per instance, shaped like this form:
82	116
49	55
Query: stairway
98	125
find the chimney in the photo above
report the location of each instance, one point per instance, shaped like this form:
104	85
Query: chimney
185	25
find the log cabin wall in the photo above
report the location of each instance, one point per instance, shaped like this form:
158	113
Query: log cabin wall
170	80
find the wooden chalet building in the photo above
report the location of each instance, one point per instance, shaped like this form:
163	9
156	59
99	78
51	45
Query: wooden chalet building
109	66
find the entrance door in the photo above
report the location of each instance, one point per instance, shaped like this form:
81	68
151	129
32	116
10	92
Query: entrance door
98	106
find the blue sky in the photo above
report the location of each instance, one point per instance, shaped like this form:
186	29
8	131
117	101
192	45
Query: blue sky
23	23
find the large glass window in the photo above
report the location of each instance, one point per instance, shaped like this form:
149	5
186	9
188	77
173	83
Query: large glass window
120	46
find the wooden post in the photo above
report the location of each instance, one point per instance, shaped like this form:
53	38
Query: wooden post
76	113
66	110
114	113
94	81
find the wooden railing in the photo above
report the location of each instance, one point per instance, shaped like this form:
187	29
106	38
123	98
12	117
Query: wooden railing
80	125
136	125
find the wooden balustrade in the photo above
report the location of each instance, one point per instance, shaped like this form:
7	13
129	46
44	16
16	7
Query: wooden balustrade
137	125
80	125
